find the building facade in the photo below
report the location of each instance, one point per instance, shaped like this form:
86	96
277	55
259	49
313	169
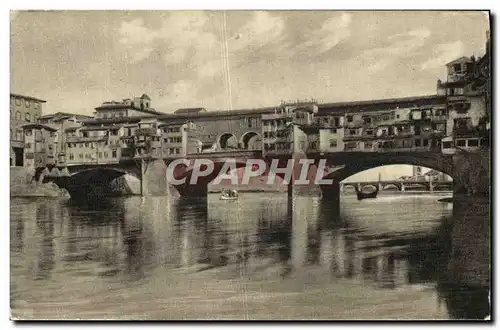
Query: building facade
23	110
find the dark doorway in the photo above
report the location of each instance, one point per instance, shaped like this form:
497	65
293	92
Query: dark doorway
18	156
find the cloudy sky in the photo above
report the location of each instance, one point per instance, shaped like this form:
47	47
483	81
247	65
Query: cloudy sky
77	59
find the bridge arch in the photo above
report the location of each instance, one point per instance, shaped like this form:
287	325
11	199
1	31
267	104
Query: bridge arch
251	140
227	141
391	186
360	163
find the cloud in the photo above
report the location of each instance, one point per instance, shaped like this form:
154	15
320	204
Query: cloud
442	54
136	39
332	32
181	38
401	46
261	30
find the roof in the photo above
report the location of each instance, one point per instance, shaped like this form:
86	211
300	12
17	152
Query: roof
145	96
116	120
379	105
222	113
39	126
99	128
190	110
117	106
27	97
459	60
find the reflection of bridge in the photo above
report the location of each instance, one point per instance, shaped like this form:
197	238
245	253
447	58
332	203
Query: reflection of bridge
400	185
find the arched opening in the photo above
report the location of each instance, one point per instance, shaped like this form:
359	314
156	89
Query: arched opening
92	183
251	141
227	141
390	187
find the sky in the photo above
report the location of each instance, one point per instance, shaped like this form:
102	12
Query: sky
78	59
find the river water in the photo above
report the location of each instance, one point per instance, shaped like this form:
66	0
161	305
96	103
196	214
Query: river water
151	258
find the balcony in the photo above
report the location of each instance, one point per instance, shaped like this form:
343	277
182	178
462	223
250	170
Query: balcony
149	131
456	77
442	118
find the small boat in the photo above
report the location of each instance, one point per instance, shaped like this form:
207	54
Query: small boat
362	195
229	195
366	195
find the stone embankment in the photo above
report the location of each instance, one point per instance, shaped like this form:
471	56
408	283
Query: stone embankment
22	184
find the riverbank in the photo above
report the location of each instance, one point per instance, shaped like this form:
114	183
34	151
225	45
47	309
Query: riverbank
23	185
39	190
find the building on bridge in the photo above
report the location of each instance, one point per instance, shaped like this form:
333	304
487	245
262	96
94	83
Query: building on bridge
391	124
467	91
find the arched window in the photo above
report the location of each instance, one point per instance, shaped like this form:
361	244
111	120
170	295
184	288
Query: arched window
35	118
18	115
27	117
27	103
19	102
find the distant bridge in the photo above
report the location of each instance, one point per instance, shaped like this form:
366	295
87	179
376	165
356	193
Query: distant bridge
400	185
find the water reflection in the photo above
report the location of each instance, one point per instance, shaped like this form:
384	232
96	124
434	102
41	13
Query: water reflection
126	240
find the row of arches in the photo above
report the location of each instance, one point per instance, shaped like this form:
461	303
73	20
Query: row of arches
228	141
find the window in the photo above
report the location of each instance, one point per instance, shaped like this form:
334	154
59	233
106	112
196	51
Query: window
80	156
27	132
352	132
473	143
36	105
71	156
417	143
18	115
367	120
333	143
485	142
113	153
105	154
425	142
460	143
333	130
27	103
177	151
349	119
457	68
385	117
28	145
369	132
249	122
368	144
447	145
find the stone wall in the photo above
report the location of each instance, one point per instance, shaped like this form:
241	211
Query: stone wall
472	173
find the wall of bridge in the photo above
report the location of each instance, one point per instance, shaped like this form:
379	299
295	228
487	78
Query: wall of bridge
208	130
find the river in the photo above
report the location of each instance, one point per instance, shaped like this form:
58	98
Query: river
151	258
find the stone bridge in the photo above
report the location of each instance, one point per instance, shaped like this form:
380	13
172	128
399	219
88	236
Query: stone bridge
470	171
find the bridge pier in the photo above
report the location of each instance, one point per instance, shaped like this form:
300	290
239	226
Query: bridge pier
153	178
331	200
